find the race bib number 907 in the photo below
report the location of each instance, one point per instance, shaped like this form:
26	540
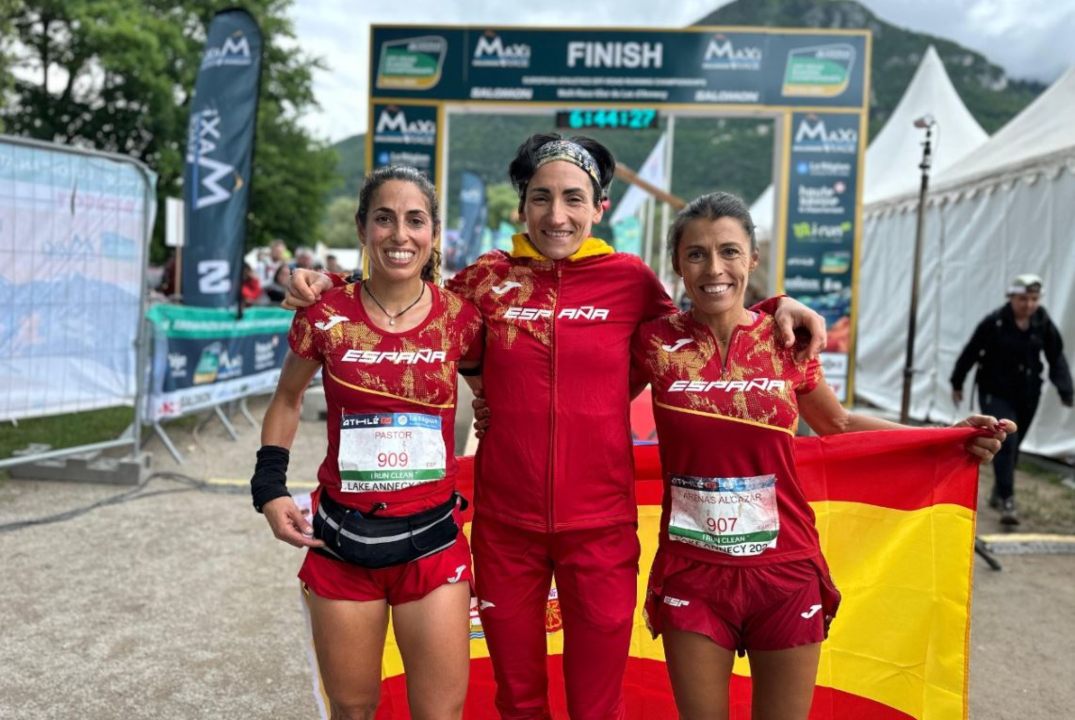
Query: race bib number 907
390	451
734	516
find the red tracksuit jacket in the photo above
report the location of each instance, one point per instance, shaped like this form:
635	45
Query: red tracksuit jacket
556	369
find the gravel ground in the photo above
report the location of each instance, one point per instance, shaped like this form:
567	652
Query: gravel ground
181	605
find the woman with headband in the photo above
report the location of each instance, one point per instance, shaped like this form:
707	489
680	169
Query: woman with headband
554	472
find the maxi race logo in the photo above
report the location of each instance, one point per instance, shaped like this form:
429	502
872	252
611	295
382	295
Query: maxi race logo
492	52
393	127
813	136
722	54
214	181
235	50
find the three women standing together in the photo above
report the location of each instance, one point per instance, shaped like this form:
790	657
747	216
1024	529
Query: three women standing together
554	477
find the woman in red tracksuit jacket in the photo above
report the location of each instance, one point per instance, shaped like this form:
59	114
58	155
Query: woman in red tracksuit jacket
555	490
555	482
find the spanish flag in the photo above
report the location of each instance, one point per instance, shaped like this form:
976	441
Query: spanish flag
895	512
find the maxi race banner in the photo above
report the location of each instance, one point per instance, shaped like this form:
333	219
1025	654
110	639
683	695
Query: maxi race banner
895	512
698	65
821	222
220	151
203	356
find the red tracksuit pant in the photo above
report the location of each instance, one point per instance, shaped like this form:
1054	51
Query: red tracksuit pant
596	574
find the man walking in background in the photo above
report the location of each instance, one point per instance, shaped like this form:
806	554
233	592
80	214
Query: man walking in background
1007	347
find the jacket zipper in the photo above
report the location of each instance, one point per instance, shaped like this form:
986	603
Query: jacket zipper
551	477
727	354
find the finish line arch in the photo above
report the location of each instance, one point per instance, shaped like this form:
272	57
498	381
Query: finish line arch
813	84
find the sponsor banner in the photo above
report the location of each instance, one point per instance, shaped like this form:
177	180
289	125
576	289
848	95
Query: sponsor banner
204	357
639	66
220	150
819	254
406	135
175	403
73	234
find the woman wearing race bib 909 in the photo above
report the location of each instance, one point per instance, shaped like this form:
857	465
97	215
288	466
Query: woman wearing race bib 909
739	565
389	349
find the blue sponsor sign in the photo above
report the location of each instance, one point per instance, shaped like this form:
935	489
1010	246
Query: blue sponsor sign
821	225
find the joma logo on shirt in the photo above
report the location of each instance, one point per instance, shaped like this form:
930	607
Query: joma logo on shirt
587	312
764	384
331	322
372	357
677	345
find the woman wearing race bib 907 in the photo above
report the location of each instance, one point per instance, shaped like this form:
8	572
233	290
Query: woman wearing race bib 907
739	565
389	348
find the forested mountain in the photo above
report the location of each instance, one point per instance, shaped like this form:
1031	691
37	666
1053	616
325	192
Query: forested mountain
736	154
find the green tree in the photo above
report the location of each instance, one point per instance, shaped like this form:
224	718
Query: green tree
118	76
7	12
502	203
338	225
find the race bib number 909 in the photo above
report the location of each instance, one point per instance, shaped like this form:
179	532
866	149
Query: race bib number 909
734	516
390	451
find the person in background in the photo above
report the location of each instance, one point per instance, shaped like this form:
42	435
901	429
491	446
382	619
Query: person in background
250	290
1008	346
332	264
387	532
166	286
304	258
739	566
278	255
276	290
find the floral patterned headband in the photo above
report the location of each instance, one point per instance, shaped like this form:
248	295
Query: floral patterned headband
569	152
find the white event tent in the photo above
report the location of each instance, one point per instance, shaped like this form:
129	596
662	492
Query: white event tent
1006	208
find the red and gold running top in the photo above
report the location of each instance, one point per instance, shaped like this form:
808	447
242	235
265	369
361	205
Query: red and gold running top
390	397
726	428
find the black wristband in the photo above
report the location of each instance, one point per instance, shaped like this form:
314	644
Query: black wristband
270	475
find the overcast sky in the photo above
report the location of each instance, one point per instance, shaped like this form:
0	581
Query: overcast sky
1028	38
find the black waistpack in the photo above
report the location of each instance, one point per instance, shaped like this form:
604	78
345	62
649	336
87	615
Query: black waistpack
375	542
